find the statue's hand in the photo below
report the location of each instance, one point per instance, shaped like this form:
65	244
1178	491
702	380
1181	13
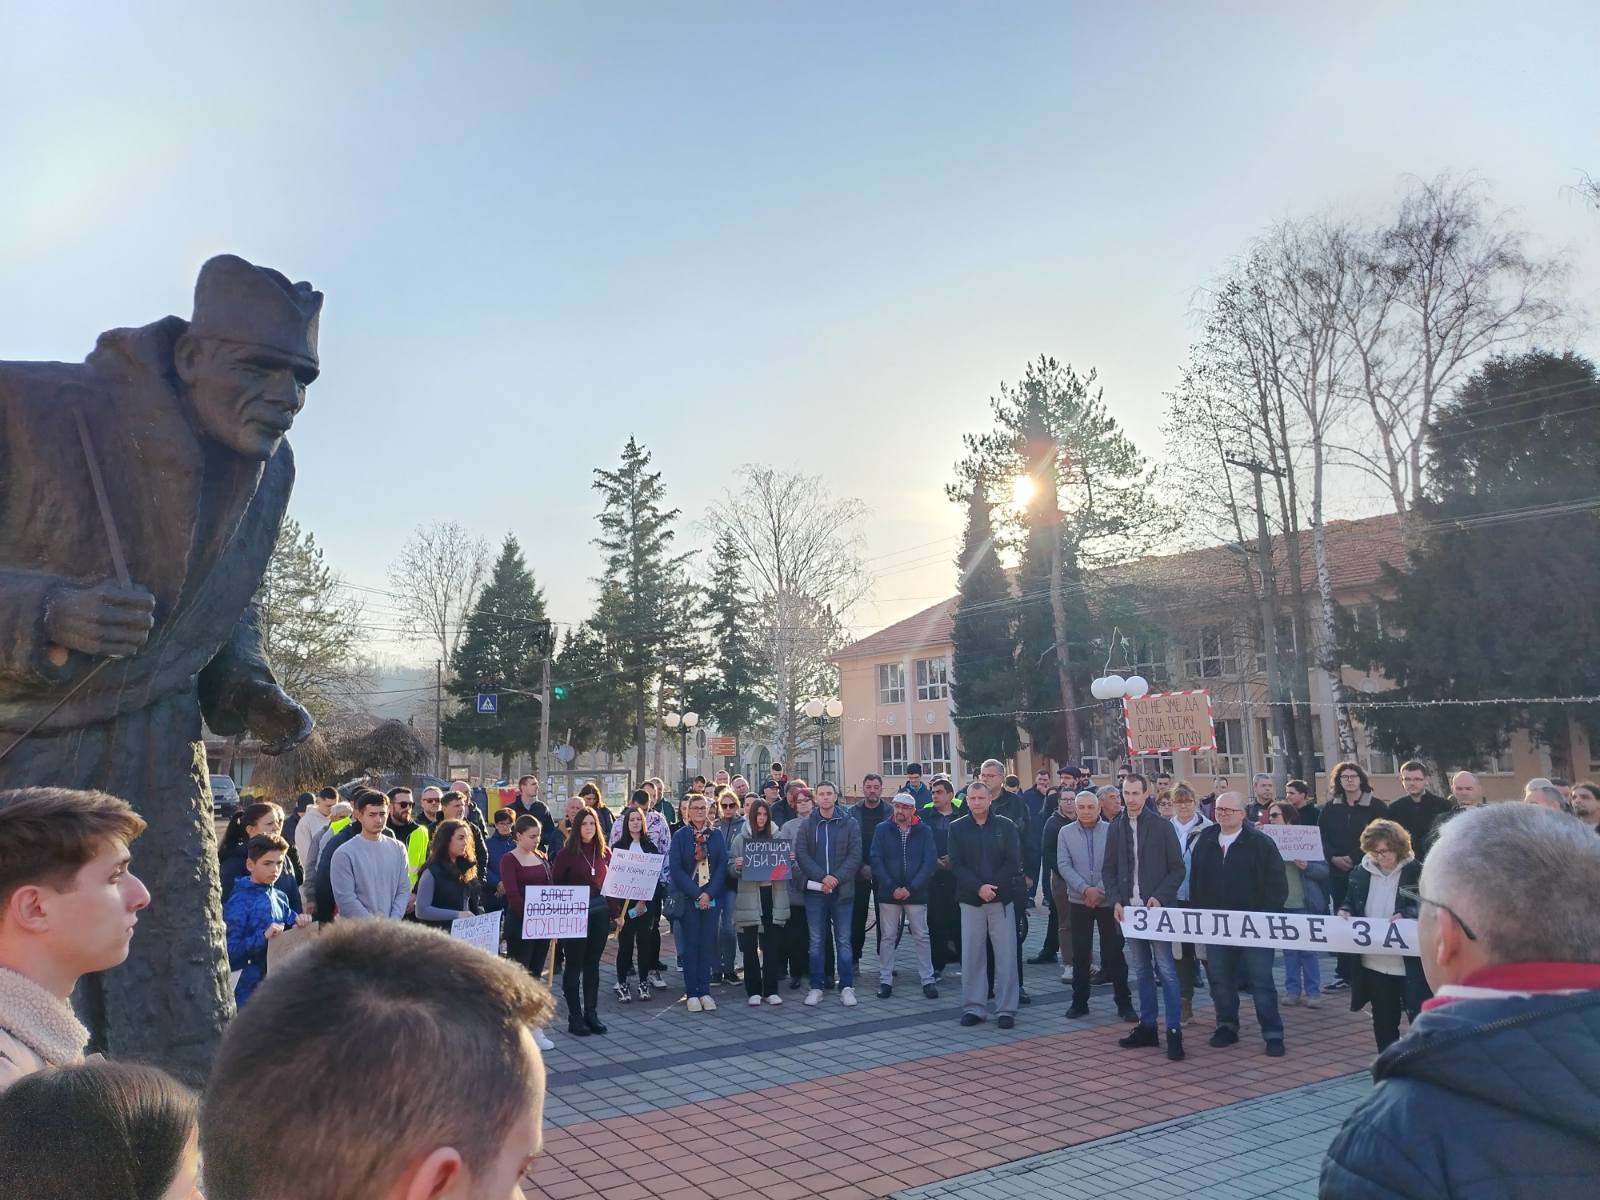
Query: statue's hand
274	717
108	619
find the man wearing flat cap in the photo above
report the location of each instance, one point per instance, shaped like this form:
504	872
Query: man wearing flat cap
141	493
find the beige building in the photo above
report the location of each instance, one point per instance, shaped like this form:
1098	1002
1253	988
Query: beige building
895	683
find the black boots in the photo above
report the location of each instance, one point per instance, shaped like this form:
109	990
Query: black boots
1142	1035
591	1002
575	1022
1175	1045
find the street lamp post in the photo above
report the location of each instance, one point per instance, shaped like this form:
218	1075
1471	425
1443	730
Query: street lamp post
819	711
683	722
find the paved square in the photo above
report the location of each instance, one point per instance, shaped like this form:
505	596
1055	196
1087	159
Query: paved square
895	1098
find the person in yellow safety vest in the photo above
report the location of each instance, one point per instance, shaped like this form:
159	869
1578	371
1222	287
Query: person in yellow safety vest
412	835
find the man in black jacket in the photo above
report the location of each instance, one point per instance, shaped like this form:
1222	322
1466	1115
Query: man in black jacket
869	814
1494	1091
1008	803
1419	811
1144	867
985	855
1237	867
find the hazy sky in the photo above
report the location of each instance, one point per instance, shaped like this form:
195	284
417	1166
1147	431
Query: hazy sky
813	235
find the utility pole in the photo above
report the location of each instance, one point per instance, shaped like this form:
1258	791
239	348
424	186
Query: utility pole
438	717
544	719
1269	619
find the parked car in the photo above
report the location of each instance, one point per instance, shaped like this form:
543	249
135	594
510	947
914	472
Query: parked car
224	796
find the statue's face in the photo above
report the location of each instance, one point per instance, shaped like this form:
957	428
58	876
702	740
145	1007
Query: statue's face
244	397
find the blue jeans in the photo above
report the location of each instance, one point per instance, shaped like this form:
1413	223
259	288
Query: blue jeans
823	913
1225	963
699	948
1302	969
1152	960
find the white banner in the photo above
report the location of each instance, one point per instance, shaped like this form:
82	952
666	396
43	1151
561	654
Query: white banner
1297	843
632	875
555	912
482	931
1276	931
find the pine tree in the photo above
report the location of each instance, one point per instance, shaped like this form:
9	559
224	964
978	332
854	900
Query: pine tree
501	651
1088	500
1499	600
591	708
733	688
984	663
636	535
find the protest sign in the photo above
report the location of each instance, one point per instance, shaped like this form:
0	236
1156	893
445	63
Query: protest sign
482	931
1274	931
555	912
1165	722
1297	843
766	861
632	875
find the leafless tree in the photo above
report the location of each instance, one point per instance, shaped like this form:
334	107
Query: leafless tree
1445	284
435	581
802	558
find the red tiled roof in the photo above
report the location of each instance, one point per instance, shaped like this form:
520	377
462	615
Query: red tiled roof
1357	551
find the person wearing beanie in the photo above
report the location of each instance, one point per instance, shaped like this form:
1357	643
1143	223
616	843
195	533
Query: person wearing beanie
903	862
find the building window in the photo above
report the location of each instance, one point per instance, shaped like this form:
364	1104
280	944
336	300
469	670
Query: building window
933	679
1151	765
1286	643
933	753
1150	660
1497	764
1230	758
1209	653
892	753
891	683
1375	761
1270	747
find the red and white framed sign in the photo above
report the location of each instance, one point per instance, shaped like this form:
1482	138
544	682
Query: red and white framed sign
1164	722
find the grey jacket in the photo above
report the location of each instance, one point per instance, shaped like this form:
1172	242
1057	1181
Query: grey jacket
1081	856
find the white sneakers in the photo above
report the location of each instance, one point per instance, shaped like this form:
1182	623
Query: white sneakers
542	1040
754	1002
773	999
692	1003
847	997
708	1004
813	997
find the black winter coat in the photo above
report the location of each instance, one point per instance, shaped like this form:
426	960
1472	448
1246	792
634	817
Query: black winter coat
1341	824
989	853
1355	900
1420	818
1249	878
1494	1099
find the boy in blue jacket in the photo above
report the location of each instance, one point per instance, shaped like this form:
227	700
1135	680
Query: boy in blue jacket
903	858
256	912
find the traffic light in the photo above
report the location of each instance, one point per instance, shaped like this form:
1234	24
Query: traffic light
559	692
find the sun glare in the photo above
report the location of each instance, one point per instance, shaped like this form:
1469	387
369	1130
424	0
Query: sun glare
1022	490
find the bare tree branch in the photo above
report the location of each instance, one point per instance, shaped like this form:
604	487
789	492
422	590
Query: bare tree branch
436	580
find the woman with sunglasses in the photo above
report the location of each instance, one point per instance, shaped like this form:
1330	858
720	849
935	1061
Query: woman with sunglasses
730	823
1377	890
1308	884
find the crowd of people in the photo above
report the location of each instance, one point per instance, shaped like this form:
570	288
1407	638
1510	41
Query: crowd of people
1509	969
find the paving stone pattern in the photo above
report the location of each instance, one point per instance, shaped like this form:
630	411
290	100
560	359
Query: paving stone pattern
894	1095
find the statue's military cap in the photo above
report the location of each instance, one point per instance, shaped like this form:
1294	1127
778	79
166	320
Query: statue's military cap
236	301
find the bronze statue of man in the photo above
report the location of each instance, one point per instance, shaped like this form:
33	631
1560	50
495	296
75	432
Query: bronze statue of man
140	497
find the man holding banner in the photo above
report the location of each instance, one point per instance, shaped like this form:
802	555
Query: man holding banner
1144	869
1237	867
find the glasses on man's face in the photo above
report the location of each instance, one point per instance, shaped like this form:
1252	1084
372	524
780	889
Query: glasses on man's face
1220	809
1416	897
404	806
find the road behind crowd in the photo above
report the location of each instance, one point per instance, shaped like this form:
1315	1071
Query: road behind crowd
894	1098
